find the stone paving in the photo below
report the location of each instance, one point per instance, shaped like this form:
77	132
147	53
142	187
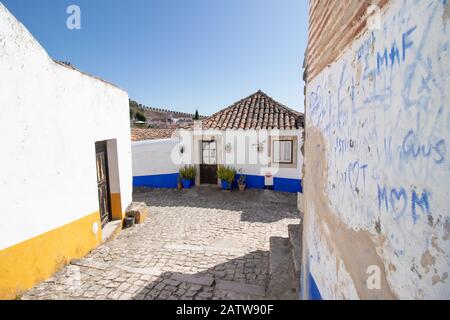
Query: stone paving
202	243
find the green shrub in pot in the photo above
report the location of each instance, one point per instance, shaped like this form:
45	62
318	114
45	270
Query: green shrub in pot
187	175
227	175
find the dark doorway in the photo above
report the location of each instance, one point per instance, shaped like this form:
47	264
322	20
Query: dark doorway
208	167
103	182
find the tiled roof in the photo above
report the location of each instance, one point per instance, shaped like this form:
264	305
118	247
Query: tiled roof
150	134
258	111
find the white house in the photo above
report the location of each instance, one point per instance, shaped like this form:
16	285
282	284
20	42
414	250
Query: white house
258	136
66	160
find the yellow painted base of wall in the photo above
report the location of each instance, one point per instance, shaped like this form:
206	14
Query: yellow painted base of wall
116	207
24	265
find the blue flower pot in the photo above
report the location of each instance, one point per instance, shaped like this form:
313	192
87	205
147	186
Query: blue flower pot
187	183
225	185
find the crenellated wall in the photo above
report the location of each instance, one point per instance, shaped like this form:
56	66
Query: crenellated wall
376	185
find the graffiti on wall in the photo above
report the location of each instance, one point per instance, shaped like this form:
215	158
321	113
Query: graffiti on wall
383	110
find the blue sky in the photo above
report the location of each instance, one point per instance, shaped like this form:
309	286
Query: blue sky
180	54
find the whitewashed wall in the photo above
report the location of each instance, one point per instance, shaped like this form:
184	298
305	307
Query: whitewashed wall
244	154
377	169
156	161
50	118
154	157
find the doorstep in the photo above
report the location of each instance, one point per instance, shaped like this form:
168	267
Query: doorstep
111	230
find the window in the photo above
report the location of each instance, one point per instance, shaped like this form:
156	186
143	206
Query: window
209	152
282	151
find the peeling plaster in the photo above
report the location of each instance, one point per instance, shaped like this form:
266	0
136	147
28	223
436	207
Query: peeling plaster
427	261
446	230
344	242
436	279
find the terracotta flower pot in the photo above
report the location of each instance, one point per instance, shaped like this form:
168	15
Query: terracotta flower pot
241	187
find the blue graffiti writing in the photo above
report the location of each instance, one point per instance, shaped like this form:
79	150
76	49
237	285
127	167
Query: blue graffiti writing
344	145
316	106
391	55
421	202
366	47
397	197
413	148
411	72
388	59
356	171
395	200
406	41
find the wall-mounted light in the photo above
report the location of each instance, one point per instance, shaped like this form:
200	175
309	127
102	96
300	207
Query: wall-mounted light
260	147
228	147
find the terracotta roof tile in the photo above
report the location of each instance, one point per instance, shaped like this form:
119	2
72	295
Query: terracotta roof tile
150	134
258	111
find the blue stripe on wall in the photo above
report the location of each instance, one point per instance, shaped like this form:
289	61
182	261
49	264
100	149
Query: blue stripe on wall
314	293
252	182
287	185
162	181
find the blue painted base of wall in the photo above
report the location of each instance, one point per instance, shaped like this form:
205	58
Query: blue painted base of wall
287	185
160	181
164	181
314	293
279	184
252	182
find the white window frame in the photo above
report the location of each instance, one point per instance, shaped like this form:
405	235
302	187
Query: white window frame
276	158
210	151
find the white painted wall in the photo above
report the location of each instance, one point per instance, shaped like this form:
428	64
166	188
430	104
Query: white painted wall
244	153
385	128
260	169
50	118
153	157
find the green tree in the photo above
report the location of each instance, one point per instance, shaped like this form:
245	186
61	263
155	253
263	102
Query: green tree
134	104
141	117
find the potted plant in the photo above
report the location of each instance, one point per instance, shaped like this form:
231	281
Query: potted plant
226	175
241	181
187	175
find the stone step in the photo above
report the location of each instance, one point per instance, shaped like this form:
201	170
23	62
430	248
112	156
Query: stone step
111	230
295	243
282	282
242	288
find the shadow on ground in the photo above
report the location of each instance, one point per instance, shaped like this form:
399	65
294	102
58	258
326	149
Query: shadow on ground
243	278
202	243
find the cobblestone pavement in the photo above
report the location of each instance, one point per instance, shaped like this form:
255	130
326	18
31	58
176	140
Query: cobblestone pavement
202	243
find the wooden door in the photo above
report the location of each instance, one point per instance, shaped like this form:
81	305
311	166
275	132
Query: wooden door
208	167
103	182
